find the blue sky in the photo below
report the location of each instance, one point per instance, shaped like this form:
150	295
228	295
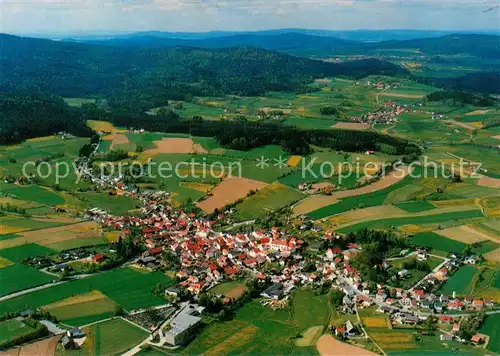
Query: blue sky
114	16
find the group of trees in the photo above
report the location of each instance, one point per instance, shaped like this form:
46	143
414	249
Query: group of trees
462	98
377	246
25	115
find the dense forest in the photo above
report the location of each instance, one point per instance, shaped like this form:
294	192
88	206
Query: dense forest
27	115
30	115
75	69
462	98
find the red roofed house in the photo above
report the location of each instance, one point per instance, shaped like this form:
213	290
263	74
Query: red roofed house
478	338
99	257
156	250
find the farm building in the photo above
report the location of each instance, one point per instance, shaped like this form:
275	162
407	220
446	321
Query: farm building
182	328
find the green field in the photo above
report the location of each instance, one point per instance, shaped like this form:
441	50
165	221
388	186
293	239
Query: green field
426	219
260	330
25	224
116	205
13	328
77	102
415	206
111	337
457	282
266	200
78	314
128	288
437	242
19	253
491	327
18	277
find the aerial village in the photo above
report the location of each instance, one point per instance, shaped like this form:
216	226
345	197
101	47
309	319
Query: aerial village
206	258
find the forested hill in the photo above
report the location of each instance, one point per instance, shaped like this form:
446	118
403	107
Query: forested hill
77	69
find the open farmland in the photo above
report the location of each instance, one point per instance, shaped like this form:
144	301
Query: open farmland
58	237
319	206
466	234
230	190
437	242
266	200
256	329
19	253
456	282
327	345
13	328
111	337
128	288
17	277
420	219
416	206
491	327
82	309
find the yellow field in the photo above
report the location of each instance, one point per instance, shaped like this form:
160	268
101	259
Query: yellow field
374	322
201	187
393	340
5	262
45	237
414	228
476	124
5	229
493	256
293	161
112	236
455	202
103	126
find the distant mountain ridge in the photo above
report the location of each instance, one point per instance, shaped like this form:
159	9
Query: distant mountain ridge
480	45
351	35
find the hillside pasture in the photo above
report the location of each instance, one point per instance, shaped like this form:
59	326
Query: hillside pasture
228	191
